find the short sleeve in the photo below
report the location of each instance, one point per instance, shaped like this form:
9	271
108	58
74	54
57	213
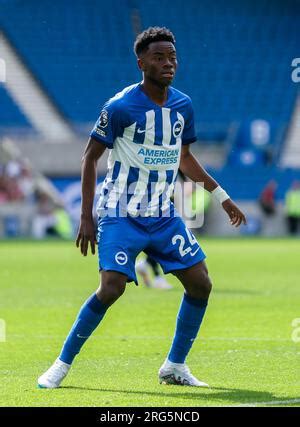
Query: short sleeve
108	126
189	133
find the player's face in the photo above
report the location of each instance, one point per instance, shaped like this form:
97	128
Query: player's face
159	63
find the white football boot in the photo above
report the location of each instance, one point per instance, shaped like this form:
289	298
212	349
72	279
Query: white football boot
54	376
160	282
142	269
178	374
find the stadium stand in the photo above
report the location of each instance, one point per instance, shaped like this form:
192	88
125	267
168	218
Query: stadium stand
11	116
235	65
79	54
234	61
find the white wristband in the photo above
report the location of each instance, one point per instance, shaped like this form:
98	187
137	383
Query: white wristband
220	194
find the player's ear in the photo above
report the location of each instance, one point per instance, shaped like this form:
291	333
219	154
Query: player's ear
141	64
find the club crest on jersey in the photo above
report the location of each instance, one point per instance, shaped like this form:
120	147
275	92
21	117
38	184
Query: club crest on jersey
103	119
177	129
121	258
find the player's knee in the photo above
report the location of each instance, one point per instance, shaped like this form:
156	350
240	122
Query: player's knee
201	288
109	291
108	295
206	285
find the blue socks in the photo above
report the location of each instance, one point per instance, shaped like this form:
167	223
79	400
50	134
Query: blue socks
189	319
89	317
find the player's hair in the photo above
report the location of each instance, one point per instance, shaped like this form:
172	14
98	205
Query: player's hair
152	34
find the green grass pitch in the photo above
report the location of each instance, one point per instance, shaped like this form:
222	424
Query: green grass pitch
245	349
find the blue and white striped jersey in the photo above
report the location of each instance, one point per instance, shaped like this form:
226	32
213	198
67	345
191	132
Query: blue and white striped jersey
145	145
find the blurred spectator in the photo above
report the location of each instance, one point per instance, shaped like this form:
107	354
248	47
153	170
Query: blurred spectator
197	205
16	182
292	205
267	198
45	213
50	219
26	182
9	188
3	194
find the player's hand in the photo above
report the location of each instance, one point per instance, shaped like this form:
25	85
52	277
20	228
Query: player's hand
236	216
86	235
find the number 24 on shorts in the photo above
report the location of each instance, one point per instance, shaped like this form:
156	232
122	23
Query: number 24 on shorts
182	243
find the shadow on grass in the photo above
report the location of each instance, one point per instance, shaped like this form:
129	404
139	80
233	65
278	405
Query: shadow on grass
195	394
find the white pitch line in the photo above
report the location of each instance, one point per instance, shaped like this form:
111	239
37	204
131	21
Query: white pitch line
272	402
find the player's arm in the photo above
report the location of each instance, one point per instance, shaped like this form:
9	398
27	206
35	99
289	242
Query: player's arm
190	167
86	233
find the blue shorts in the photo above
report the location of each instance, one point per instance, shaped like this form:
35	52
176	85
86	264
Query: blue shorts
167	240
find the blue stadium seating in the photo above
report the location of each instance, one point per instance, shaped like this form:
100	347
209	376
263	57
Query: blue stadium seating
242	185
234	56
81	52
10	114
